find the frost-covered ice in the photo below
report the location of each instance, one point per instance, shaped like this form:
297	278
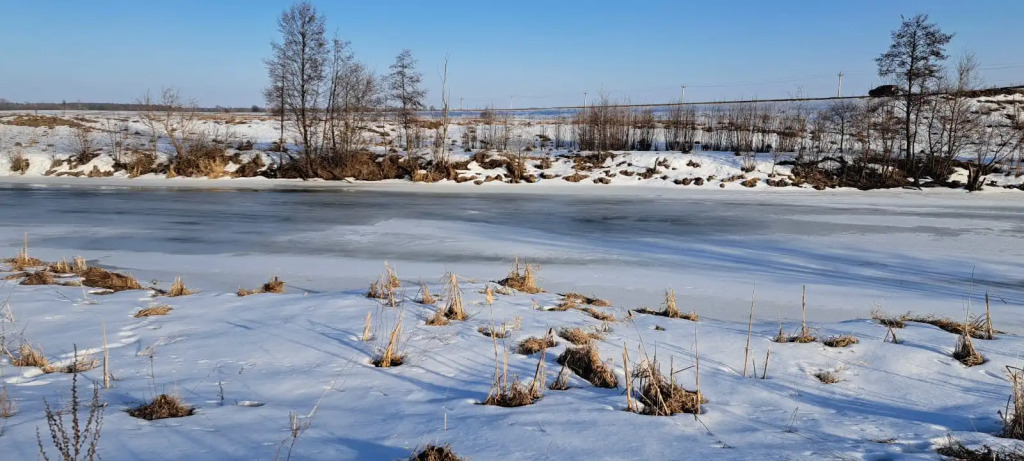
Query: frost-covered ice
273	354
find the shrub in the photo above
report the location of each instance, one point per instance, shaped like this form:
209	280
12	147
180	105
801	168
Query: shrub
78	441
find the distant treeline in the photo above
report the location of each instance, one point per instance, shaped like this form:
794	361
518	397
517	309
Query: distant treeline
106	106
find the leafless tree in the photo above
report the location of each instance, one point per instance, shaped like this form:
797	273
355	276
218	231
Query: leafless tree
839	115
82	143
441	141
999	139
914	62
404	83
173	117
117	135
953	124
299	66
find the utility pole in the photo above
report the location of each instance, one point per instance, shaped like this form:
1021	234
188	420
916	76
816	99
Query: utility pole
840	92
460	104
584	99
682	97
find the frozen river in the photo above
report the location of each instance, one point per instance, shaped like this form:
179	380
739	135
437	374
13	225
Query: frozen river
897	250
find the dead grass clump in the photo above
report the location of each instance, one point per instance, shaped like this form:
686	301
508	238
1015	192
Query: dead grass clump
965	351
827	376
891	321
162	407
435	453
454	309
586	362
61	267
602	316
671	309
561	382
974	327
162	309
581	299
275	285
525	281
424	296
391	356
28	357
40	121
577	336
39	278
500	332
514	393
956	450
79	364
101	278
1013	416
23	261
840	341
661	396
533	344
178	289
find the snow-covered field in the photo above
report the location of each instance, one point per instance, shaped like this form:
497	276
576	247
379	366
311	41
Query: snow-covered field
245	363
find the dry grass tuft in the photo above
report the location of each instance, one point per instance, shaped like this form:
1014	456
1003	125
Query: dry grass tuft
974	327
661	396
39	278
23	261
454	309
891	321
525	281
561	382
581	299
79	364
178	289
956	450
101	278
424	296
602	316
1013	416
965	351
671	309
435	453
162	309
275	285
840	341
500	332
162	407
577	336
391	356
533	344
79	265
586	362
515	393
827	376
28	357
61	267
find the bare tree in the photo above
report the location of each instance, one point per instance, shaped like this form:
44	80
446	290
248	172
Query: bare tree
173	117
441	141
839	116
299	66
404	82
953	123
82	144
117	135
1000	139
914	62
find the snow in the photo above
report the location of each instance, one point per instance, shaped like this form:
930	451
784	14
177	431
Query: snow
245	363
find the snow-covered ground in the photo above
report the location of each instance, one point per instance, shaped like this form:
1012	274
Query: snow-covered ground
245	363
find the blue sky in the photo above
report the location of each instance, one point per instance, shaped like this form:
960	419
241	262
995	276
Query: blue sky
540	53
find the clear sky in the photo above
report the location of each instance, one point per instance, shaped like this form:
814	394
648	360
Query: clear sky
541	53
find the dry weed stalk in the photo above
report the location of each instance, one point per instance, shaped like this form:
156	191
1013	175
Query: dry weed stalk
162	309
162	407
891	321
61	267
367	333
23	261
8	407
750	330
77	442
581	299
79	264
525	281
454	309
965	351
514	393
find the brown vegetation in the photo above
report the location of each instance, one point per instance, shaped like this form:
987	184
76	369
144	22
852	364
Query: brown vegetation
275	285
524	281
162	309
533	344
162	407
671	309
435	453
101	278
840	341
661	396
586	362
